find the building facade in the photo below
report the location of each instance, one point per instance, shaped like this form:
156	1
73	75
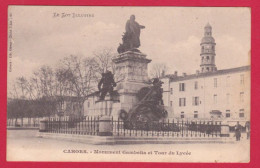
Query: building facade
209	93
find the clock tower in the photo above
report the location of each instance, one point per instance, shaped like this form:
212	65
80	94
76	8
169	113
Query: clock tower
208	51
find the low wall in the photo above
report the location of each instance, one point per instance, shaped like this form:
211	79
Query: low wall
114	140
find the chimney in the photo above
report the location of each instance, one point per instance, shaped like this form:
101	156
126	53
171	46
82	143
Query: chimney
184	74
176	73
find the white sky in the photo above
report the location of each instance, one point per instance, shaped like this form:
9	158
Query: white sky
172	35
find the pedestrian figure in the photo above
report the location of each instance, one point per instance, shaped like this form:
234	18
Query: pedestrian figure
238	131
247	129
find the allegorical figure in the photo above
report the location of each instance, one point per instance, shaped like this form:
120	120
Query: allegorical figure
106	84
131	37
158	91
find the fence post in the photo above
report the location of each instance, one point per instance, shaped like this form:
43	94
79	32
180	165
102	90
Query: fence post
43	126
182	128
105	126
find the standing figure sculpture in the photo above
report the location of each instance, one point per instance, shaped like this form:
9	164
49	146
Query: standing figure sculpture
106	85
131	38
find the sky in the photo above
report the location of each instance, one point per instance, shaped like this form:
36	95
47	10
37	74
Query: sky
172	35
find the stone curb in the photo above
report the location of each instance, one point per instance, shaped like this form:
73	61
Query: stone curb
115	140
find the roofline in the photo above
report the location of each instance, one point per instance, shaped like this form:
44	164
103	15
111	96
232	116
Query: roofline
215	73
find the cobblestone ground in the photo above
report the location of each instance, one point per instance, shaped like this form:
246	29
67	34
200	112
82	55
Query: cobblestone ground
23	145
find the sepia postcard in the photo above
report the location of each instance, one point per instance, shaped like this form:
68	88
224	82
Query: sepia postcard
129	84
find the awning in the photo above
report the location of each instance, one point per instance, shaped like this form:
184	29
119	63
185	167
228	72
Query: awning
215	112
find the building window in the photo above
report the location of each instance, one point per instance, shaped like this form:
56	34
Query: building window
241	96
182	86
182	102
215	82
182	114
196	114
228	98
196	85
62	105
227	113
215	99
242	79
241	113
228	81
207	68
171	91
195	101
171	103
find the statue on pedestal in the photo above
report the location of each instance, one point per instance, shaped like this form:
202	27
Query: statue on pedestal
131	38
106	85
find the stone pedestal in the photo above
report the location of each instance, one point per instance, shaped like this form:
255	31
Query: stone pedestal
105	126
131	66
131	70
43	126
224	131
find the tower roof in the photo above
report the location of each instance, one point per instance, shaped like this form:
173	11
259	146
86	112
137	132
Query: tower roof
208	39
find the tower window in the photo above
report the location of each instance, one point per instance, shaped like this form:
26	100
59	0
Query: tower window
207	68
171	91
207	58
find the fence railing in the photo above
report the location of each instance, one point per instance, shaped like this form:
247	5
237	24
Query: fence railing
25	122
175	128
73	125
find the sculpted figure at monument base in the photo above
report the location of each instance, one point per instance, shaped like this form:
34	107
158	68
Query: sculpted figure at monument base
106	85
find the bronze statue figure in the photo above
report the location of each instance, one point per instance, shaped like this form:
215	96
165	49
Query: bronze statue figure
106	85
131	37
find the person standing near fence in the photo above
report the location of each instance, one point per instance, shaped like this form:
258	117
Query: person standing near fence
247	129
238	131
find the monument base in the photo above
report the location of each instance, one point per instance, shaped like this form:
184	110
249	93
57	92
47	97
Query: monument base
131	71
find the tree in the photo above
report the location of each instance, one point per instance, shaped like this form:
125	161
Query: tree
158	70
80	76
103	60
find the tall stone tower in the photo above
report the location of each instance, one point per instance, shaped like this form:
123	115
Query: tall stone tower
208	51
